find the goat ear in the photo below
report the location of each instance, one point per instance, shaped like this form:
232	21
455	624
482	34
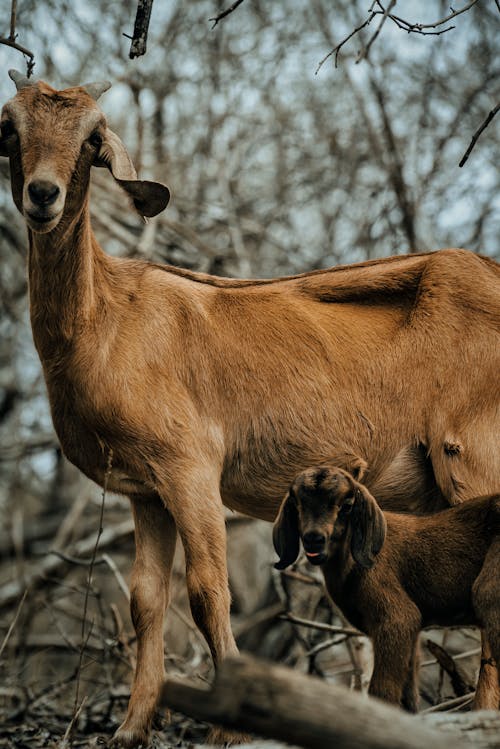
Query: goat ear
368	526
286	533
149	197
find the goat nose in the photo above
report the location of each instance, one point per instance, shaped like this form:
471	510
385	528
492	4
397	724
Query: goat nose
314	541
42	192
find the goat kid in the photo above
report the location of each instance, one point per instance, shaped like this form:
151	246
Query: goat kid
394	574
211	391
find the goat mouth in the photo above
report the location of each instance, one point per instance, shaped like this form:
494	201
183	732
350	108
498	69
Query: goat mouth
316	557
41	223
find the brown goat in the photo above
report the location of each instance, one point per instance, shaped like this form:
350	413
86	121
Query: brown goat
212	391
393	574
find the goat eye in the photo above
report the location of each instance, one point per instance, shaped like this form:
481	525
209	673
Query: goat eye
345	509
95	139
7	129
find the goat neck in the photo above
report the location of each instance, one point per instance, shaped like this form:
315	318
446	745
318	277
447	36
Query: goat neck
67	271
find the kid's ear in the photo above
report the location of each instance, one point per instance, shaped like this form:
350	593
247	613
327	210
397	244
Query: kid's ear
368	527
286	533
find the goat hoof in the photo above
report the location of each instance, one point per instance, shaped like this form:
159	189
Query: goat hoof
222	737
125	738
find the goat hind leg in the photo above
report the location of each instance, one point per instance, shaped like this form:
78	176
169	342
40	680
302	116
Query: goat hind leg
486	597
155	536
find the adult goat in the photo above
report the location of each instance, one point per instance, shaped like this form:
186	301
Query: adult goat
211	391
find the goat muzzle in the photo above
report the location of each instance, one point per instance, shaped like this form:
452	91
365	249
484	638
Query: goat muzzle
43	204
315	545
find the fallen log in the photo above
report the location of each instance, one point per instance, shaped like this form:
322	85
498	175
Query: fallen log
482	728
279	703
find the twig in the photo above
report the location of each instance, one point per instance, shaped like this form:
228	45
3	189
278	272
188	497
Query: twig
259	617
440	22
13	623
225	13
478	133
10	592
72	517
449	704
465	654
141	27
10	41
349	631
458	681
119	577
76	560
410	28
324	645
364	53
335	51
89	579
13	9
64	741
294	575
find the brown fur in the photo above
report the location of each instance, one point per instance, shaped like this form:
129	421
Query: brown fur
212	391
435	570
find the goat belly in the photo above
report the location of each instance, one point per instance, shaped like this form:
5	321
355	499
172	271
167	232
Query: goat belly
446	618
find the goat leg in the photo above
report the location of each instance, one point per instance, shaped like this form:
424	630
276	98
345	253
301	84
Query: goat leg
155	537
394	647
486	598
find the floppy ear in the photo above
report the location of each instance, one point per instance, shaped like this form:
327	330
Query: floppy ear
149	197
3	147
368	527
286	533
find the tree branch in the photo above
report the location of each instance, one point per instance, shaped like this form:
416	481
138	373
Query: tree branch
141	27
225	13
10	41
478	133
378	9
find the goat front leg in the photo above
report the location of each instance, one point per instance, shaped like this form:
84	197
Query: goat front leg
394	671
410	698
155	537
200	521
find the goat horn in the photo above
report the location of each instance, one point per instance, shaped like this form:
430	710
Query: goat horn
96	89
20	80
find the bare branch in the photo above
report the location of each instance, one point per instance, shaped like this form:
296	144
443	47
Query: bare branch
10	41
13	623
13	10
401	23
339	46
478	132
453	14
141	27
447	663
225	13
349	631
385	15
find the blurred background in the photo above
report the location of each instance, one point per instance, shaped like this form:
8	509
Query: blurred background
277	165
